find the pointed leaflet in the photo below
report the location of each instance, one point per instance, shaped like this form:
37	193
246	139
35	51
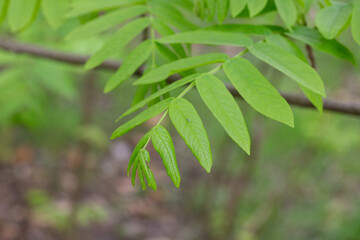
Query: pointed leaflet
117	41
163	144
142	180
54	11
355	22
222	9
162	91
208	37
256	6
237	6
224	107
21	13
289	65
331	20
287	11
88	6
137	148
144	159
292	48
135	169
317	41
190	127
164	71
105	22
131	63
257	91
142	117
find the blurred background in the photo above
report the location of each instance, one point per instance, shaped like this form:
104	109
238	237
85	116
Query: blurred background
62	178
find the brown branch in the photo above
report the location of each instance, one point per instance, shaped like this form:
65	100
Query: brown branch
298	100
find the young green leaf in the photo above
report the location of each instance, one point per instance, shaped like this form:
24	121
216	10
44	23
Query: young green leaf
142	117
317	41
211	4
135	169
314	98
225	109
4	4
105	22
117	41
84	7
140	94
137	148
256	6
163	91
163	144
290	65
287	11
144	159
21	13
142	180
237	6
131	63
54	11
331	20
208	37
164	71
257	91
355	22
190	127
222	9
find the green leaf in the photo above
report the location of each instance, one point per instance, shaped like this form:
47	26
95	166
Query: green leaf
164	31
211	4
143	117
286	44
237	6
317	41
142	180
256	6
144	159
54	11
241	28
21	13
131	63
208	37
164	90
331	20
167	13
290	65
355	22
88	6
164	71
291	47
105	22
135	169
164	146
118	41
222	9
137	148
257	91
4	4
140	94
225	109
190	127
287	11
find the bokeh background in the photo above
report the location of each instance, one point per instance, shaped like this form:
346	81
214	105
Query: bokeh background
62	178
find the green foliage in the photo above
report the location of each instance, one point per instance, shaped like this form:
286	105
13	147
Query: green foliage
170	30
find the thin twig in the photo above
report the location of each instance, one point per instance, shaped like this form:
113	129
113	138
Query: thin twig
350	108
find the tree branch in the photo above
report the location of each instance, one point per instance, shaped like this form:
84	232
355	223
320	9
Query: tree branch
37	51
